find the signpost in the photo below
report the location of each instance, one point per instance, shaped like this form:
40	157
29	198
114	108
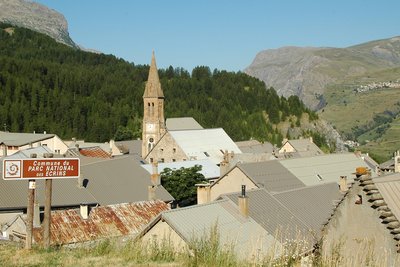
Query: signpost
46	169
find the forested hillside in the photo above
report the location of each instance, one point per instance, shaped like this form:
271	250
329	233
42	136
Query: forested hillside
47	86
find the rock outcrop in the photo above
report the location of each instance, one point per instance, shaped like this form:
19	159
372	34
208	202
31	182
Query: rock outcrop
37	17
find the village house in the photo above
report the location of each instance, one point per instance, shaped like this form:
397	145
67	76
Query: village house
299	148
282	175
14	142
365	225
102	182
222	219
84	224
392	165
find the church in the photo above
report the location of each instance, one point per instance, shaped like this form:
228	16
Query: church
177	139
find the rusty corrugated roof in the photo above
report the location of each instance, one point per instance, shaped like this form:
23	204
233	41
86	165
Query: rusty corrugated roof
95	152
67	226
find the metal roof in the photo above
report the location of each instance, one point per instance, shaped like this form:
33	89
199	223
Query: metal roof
305	147
273	216
110	181
26	153
21	139
313	205
197	221
13	194
209	169
185	123
325	168
95	152
271	175
389	188
67	226
254	146
119	180
205	143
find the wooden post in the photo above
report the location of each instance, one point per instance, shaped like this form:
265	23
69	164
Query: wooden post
47	208
47	213
29	214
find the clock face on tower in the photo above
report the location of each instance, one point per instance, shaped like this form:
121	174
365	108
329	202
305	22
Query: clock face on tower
150	127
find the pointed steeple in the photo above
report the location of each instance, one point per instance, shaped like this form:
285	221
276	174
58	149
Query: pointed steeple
153	85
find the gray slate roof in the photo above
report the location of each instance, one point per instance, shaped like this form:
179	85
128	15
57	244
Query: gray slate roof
325	168
305	148
119	180
313	205
234	229
272	215
185	123
21	139
271	175
389	188
254	146
111	181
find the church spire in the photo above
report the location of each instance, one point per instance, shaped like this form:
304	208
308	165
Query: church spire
153	85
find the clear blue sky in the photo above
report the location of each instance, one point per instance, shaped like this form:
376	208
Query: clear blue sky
222	34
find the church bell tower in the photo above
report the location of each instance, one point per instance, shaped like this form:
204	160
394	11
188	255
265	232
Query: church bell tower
153	127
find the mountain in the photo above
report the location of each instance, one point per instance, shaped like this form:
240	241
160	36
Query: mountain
48	86
308	71
36	17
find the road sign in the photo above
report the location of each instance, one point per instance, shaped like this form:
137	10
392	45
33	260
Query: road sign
48	168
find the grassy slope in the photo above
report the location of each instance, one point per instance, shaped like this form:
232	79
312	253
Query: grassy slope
347	110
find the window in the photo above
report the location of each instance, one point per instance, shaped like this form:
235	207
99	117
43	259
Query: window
161	149
162	160
205	153
174	150
173	160
151	160
319	177
57	151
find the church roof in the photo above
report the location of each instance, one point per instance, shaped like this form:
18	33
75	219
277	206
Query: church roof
153	85
185	123
205	144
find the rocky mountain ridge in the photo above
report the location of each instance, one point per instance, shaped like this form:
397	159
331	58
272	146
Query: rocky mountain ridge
36	17
306	71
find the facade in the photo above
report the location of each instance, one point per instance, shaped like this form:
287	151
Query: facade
153	127
299	148
365	224
223	218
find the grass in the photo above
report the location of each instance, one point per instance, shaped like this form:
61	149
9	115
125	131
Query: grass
206	251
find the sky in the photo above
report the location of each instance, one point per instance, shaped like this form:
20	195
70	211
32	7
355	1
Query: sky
221	34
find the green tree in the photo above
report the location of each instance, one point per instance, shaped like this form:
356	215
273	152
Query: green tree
180	183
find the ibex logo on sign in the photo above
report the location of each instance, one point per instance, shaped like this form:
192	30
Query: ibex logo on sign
13	169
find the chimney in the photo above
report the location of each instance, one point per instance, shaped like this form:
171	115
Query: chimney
84	211
397	162
112	144
80	182
4	150
343	184
36	215
152	192
224	166
155	177
203	193
244	203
